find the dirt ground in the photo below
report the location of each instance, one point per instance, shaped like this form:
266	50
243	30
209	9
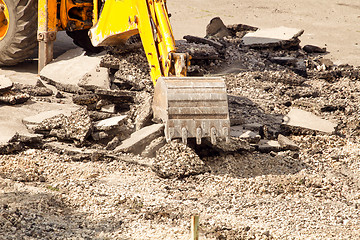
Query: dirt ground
312	193
330	23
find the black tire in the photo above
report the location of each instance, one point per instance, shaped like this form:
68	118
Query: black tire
20	40
81	39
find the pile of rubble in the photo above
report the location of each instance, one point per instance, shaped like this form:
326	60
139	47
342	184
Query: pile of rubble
295	124
108	96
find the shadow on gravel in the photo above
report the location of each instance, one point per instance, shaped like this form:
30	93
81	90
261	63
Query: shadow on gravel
253	164
46	216
248	164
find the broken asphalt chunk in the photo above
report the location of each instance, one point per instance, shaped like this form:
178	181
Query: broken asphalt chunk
267	146
287	144
240	29
77	126
66	71
96	78
194	39
199	51
33	90
38	118
5	84
239	132
76	154
85	99
314	49
273	37
110	123
140	139
12	98
124	95
216	28
298	120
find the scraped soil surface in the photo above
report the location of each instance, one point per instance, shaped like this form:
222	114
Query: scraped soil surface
313	193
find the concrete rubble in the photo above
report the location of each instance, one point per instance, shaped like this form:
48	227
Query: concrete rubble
140	139
76	154
298	119
96	78
112	94
66	71
5	84
267	146
283	101
110	123
273	37
176	160
287	144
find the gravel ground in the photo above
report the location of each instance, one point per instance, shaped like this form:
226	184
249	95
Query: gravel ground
309	194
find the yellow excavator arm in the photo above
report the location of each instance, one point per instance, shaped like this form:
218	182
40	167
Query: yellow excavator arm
189	107
119	20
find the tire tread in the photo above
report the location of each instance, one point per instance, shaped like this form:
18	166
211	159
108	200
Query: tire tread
24	39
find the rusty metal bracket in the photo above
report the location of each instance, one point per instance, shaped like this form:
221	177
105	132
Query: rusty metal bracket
47	28
46	36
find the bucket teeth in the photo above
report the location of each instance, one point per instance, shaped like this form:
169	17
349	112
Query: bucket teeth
213	135
192	107
169	133
198	136
226	133
184	135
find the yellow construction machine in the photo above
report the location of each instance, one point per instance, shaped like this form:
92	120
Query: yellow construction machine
189	107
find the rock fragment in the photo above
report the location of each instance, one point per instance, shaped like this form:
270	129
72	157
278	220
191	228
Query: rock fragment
239	132
12	98
216	28
267	146
5	84
287	144
314	49
144	113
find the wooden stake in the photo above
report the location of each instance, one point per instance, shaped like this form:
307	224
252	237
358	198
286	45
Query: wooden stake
195	227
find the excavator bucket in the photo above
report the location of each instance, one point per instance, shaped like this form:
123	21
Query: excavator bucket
192	107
